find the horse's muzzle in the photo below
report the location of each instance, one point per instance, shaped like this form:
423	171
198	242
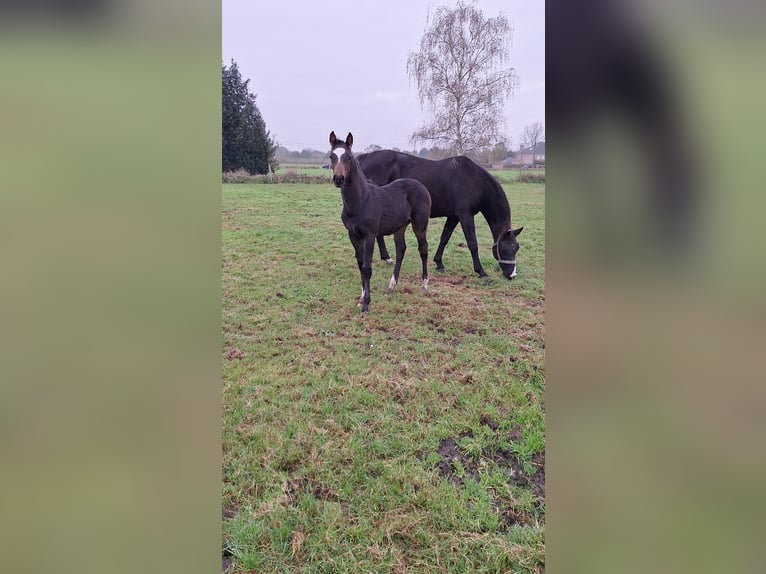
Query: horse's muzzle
509	273
338	180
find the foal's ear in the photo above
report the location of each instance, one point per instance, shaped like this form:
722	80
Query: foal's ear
349	140
517	231
333	139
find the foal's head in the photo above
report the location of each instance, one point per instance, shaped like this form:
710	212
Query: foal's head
504	250
341	158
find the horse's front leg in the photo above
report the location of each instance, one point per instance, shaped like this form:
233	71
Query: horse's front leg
469	229
383	250
449	227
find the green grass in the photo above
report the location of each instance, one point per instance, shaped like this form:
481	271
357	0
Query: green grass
334	423
306	169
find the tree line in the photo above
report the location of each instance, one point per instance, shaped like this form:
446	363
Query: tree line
245	141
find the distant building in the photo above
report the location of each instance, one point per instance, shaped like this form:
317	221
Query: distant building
523	157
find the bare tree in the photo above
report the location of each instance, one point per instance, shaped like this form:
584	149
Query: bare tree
532	135
457	80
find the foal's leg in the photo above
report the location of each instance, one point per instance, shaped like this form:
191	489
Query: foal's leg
401	247
449	227
469	229
383	251
367	248
422	236
357	243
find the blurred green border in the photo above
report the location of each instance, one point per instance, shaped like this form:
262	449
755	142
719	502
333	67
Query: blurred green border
110	290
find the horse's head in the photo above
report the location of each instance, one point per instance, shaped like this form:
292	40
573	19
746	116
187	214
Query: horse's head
504	250
341	158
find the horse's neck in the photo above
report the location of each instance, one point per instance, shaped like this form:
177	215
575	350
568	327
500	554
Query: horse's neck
499	216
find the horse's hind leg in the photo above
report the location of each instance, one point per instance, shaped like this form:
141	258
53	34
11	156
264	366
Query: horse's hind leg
383	250
401	247
449	227
422	235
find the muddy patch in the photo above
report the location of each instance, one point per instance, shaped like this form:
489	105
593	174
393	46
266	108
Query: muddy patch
227	558
451	458
295	487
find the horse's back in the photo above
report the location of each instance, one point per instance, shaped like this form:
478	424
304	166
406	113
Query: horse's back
455	184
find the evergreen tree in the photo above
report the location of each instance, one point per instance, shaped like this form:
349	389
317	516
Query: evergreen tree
246	143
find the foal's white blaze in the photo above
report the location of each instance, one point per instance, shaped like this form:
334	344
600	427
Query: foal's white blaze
339	151
392	283
425	284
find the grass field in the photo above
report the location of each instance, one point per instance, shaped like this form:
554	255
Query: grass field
407	440
305	169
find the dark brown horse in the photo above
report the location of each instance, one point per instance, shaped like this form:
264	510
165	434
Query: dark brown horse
370	211
459	190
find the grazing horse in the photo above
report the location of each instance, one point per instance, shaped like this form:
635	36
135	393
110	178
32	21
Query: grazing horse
370	211
459	190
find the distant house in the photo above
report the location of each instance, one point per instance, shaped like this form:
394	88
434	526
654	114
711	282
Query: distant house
524	157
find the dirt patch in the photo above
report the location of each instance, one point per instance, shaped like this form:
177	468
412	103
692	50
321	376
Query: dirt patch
453	279
234	353
227	558
450	453
294	487
486	420
452	459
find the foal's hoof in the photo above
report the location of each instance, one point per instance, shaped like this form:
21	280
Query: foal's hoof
389	291
390	261
424	286
440	268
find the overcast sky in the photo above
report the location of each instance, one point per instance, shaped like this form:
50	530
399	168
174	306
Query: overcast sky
342	65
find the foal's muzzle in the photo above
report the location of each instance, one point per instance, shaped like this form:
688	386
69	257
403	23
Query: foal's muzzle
338	180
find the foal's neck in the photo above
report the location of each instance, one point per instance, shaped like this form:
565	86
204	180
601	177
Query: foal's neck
354	191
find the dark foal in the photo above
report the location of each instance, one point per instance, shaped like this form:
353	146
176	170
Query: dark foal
370	210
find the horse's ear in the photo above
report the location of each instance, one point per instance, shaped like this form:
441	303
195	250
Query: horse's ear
333	139
517	231
349	140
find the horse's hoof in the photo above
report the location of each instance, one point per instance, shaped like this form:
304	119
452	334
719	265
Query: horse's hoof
389	291
390	261
440	268
424	286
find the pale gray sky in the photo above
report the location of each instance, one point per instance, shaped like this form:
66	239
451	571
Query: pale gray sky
342	65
